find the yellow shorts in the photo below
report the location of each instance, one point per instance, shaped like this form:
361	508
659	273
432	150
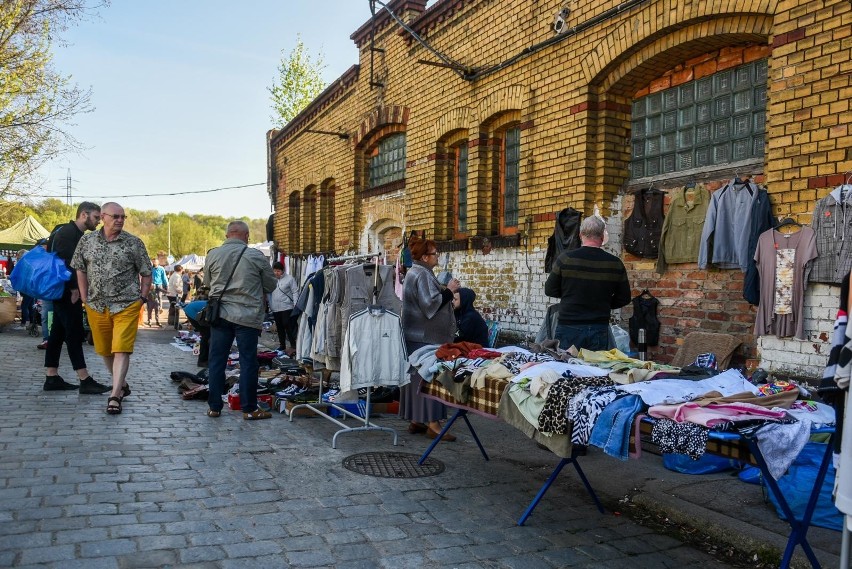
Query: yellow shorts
114	333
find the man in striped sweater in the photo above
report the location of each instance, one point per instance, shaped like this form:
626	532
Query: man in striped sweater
590	283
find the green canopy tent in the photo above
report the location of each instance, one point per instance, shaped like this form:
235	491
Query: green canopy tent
23	235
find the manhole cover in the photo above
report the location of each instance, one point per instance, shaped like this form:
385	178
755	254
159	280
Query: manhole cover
392	465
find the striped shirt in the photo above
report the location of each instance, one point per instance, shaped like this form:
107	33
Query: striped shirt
590	283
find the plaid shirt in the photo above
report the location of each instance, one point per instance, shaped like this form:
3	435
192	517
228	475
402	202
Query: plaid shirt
832	223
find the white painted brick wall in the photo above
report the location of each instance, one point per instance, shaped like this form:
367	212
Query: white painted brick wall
804	357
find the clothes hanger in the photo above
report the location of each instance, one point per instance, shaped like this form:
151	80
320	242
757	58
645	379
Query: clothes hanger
788	222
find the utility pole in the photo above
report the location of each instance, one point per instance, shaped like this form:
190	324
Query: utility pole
68	188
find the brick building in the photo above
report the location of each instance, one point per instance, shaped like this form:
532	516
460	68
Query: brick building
481	133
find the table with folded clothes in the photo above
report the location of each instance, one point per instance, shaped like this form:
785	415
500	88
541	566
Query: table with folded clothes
567	401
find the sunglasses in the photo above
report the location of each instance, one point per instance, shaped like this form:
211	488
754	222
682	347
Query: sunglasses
119	216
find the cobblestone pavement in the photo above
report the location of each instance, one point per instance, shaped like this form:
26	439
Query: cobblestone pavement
162	485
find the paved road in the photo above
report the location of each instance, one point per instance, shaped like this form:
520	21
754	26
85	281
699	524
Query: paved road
162	485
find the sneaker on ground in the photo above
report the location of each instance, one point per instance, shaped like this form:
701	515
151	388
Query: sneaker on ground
89	386
56	383
42	346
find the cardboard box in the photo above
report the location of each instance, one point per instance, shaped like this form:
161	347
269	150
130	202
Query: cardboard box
301	412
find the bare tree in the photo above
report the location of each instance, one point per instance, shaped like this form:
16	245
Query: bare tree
37	103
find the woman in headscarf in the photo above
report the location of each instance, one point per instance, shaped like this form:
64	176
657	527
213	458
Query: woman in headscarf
470	324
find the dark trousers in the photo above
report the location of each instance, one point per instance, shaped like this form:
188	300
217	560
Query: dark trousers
26	309
286	328
221	338
593	337
67	328
204	345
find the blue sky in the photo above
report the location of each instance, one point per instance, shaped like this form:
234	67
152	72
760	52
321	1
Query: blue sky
180	91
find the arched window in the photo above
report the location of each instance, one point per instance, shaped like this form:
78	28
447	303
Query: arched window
309	219
699	125
387	160
294	227
451	199
510	178
326	212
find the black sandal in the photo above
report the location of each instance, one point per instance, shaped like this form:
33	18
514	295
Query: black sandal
125	390
114	409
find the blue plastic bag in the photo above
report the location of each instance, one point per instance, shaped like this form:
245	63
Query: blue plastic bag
797	484
750	475
707	464
40	274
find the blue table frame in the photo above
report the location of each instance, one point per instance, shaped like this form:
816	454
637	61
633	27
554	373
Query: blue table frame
573	459
798	527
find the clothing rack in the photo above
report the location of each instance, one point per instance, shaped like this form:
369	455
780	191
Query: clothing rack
365	420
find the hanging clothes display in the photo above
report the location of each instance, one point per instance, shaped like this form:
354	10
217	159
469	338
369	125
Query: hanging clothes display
373	350
832	222
643	228
680	238
761	220
349	288
566	236
724	238
783	261
645	307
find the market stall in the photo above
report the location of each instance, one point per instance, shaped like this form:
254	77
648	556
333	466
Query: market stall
568	403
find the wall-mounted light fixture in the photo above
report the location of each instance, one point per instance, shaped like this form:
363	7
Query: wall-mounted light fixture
340	135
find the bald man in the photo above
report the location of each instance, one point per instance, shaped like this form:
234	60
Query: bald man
114	277
240	276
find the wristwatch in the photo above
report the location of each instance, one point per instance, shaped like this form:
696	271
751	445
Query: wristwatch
144	299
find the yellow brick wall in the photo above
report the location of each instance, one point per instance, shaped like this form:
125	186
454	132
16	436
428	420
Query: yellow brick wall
572	99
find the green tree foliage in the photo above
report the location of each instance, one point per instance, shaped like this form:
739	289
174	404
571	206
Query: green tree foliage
51	212
299	82
37	103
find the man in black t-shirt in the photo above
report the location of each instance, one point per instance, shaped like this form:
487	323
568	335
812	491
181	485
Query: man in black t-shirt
590	283
67	325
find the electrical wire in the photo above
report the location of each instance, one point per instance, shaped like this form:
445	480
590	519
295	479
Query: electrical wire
167	193
462	70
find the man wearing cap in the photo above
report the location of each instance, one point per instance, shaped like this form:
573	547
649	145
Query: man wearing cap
67	325
114	275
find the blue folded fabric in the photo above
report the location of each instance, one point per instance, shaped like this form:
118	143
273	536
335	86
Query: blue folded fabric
612	429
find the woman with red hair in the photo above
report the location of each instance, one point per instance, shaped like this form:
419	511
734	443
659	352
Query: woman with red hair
427	318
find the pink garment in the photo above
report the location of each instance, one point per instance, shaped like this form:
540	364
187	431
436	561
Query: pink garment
714	413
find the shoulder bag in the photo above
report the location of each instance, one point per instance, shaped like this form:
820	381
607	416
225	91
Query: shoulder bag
209	315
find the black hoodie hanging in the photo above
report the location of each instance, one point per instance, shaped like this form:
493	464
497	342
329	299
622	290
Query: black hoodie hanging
642	229
645	316
566	236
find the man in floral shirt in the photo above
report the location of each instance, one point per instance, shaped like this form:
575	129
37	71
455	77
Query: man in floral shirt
109	265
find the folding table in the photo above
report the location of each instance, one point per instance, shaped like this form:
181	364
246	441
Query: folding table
731	445
485	405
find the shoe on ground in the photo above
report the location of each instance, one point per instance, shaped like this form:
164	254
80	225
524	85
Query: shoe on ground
89	386
42	346
56	383
256	415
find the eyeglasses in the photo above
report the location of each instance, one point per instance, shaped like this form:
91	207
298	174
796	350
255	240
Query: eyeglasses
119	216
433	253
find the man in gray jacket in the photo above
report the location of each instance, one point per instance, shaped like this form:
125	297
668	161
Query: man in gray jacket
240	316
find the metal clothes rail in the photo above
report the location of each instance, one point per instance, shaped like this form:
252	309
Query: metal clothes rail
319	407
